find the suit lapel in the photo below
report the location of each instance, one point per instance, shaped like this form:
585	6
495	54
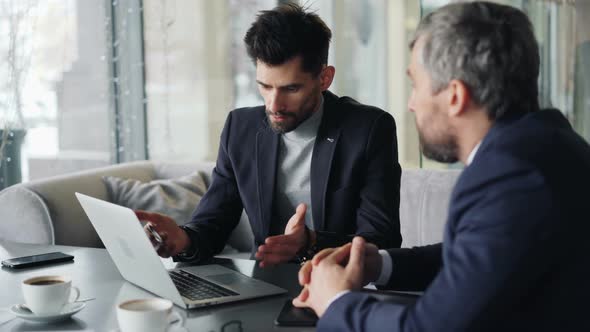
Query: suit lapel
267	147
321	160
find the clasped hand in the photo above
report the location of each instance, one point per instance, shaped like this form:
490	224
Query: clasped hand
335	270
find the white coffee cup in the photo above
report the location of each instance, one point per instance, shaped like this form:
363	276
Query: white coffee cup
47	295
147	315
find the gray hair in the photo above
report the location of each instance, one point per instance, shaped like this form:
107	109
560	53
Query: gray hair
489	47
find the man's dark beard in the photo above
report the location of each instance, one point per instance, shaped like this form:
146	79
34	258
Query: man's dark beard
278	128
287	127
298	117
445	152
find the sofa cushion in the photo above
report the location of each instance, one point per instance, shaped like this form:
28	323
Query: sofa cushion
424	204
176	197
242	237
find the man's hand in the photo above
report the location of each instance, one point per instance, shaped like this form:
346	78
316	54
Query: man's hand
372	268
174	239
329	277
282	248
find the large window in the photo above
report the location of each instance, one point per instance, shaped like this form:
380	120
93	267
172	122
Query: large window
197	69
196	72
54	88
90	83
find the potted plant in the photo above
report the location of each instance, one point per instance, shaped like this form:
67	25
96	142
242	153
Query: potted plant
12	135
16	56
10	156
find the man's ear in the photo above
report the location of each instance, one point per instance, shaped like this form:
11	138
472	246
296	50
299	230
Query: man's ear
459	97
326	77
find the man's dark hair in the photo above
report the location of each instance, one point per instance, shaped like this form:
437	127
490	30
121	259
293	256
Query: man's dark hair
489	47
287	31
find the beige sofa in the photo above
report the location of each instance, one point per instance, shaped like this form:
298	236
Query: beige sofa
47	212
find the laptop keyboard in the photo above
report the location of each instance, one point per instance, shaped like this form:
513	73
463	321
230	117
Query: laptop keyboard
195	288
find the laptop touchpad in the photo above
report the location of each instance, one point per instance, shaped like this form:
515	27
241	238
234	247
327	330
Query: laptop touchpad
228	278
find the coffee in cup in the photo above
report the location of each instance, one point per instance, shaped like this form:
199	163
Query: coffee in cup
147	315
47	295
46	282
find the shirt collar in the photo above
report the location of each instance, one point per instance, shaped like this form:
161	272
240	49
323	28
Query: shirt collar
472	154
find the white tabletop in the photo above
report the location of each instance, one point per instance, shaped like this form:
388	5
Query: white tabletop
94	273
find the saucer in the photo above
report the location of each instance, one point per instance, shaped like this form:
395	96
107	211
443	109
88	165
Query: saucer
21	311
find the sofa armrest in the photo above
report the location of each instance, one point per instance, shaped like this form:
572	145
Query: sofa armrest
24	217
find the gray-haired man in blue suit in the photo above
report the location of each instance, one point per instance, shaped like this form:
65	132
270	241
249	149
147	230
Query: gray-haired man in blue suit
515	250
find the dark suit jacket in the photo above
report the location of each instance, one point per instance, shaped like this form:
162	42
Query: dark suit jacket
355	178
515	250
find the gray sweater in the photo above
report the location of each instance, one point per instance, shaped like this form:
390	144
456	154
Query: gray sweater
293	173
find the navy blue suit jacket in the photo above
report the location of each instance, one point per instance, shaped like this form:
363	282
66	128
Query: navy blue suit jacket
515	251
355	178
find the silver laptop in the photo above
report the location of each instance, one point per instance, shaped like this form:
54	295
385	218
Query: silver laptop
137	261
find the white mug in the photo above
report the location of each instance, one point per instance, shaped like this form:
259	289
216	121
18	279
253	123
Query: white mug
147	315
47	295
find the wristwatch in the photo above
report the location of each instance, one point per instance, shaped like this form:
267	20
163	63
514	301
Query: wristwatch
309	249
191	252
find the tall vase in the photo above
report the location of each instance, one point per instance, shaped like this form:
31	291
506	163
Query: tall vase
10	165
